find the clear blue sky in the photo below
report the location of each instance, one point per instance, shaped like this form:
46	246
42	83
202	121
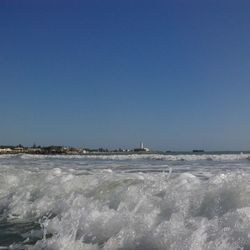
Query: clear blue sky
175	74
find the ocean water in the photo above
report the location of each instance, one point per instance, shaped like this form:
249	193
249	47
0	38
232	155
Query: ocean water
125	202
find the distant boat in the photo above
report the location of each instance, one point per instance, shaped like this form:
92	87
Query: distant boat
198	151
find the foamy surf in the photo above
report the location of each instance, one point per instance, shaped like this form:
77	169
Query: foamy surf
142	204
163	157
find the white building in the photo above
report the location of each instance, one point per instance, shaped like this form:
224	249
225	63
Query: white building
141	148
5	150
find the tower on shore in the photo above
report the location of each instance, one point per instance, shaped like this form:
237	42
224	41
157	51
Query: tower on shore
141	149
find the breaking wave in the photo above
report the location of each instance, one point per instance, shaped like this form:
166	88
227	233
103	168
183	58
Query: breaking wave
164	157
71	207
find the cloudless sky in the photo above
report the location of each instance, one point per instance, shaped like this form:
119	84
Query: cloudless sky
175	74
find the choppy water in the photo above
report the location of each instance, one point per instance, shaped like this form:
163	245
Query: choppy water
126	202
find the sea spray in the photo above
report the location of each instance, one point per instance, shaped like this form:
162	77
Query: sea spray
133	203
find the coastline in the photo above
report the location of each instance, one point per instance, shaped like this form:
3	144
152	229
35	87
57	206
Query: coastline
63	150
34	152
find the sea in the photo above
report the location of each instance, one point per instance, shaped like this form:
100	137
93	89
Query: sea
175	201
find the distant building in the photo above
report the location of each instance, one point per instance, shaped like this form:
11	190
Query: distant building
141	148
5	150
34	150
18	149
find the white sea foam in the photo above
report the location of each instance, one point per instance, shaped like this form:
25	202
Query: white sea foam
69	207
164	157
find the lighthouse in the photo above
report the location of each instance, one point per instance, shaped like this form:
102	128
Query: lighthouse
141	148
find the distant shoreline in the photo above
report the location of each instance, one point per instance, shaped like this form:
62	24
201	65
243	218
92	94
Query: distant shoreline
89	153
62	150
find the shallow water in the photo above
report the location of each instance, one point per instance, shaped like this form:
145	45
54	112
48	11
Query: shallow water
125	202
